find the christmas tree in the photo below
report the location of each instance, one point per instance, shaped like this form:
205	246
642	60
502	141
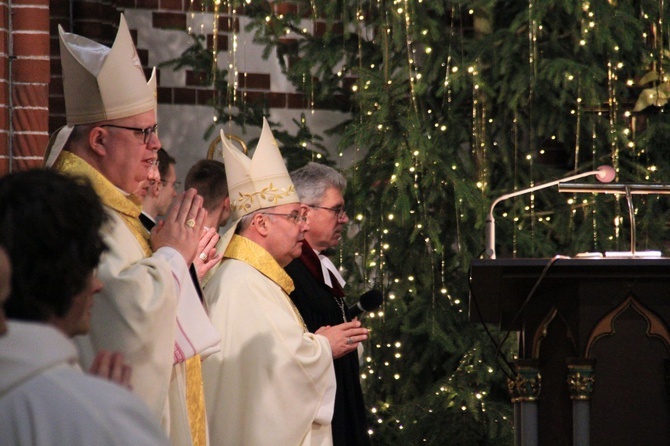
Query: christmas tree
451	105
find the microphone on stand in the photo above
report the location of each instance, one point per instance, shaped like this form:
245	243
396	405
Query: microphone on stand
628	189
370	300
604	174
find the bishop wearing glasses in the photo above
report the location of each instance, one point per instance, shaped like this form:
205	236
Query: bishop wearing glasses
148	308
273	381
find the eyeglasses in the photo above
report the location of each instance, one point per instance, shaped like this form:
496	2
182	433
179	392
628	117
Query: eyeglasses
147	132
176	184
338	211
294	217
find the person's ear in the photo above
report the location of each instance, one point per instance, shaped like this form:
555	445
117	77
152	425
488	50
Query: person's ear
260	223
98	137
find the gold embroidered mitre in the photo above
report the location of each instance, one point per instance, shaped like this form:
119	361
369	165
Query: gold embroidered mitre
260	182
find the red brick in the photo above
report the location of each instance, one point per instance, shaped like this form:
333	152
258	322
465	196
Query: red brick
4	117
4	162
205	97
175	5
184	96
164	95
167	20
221	42
22	164
125	3
147	4
255	97
199	5
320	28
254	81
30	70
285	8
30	144
30	119
229	24
4	68
277	100
4	92
27	19
30	3
31	94
297	100
31	44
3	43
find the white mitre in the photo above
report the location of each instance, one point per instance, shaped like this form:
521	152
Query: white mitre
253	184
100	83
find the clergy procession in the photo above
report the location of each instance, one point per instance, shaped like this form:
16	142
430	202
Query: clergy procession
134	314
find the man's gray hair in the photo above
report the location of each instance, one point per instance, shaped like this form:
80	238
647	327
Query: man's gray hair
312	180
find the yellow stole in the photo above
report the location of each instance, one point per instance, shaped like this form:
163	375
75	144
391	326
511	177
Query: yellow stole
243	249
128	207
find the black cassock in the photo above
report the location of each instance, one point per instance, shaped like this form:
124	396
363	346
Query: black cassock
321	305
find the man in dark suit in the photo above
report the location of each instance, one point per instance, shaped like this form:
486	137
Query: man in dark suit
319	294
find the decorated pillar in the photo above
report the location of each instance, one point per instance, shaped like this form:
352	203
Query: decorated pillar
580	385
524	392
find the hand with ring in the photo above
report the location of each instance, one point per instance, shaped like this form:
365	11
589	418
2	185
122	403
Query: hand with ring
344	338
208	257
182	226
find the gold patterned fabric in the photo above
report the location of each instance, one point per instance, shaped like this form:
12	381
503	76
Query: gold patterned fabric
195	401
126	206
243	249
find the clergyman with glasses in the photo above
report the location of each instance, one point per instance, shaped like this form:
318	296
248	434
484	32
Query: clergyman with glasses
319	293
162	190
273	381
149	308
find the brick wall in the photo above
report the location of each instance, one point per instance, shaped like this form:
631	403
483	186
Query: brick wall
25	70
31	88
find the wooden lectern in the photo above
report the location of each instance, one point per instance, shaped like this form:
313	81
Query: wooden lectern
594	346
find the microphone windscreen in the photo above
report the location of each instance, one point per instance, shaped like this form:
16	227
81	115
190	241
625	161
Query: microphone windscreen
605	174
371	300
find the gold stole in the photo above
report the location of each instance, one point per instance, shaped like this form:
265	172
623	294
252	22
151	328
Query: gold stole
195	401
129	208
243	249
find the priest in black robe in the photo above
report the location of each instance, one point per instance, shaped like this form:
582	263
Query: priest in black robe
319	294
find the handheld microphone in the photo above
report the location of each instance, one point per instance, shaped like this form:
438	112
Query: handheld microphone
370	300
604	174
